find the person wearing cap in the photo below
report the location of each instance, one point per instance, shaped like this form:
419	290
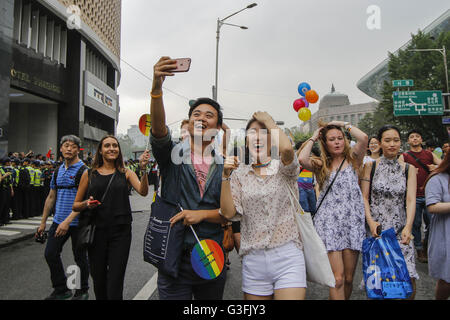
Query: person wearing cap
64	186
10	195
35	211
5	191
28	203
200	172
17	198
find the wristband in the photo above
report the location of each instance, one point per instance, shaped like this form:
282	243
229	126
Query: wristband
156	96
313	141
226	179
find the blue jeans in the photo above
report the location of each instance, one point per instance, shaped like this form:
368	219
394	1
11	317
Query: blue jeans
308	199
421	210
53	258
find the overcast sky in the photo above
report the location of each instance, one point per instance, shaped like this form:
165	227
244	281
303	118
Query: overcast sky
288	42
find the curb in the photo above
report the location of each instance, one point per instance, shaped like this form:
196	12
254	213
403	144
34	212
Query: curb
16	240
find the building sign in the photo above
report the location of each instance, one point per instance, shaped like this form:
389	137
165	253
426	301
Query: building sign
35	81
101	96
418	103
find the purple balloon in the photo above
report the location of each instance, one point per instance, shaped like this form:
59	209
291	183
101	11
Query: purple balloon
306	102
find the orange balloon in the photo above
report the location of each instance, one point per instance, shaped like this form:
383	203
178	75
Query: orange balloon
312	96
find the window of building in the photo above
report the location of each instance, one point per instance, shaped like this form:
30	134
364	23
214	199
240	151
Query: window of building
40	31
96	65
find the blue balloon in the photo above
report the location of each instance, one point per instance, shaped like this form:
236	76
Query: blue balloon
303	88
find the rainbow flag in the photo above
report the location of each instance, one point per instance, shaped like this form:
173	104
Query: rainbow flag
305	176
145	123
207	259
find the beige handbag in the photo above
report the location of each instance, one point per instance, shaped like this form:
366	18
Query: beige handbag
318	268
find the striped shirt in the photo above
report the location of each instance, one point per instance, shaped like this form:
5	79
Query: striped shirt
65	197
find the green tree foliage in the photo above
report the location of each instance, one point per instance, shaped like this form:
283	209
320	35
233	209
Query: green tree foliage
427	71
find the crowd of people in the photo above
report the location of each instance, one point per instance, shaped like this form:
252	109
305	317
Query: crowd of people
353	189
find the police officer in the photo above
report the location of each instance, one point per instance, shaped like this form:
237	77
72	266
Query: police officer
36	189
5	191
17	201
28	208
8	168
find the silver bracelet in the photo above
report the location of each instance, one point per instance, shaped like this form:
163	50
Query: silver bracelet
226	179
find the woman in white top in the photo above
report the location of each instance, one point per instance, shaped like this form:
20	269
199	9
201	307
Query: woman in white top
257	194
374	152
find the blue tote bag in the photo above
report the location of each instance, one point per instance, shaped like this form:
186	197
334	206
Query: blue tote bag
384	268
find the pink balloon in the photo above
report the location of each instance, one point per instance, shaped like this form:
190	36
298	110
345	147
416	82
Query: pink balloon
298	104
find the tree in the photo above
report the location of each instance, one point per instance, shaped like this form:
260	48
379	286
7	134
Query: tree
427	71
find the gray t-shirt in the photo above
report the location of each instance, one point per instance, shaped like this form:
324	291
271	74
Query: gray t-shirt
436	191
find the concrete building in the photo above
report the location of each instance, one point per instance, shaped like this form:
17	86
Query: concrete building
139	140
372	83
336	106
59	73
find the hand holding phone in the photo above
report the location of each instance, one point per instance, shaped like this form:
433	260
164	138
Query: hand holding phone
183	65
91	203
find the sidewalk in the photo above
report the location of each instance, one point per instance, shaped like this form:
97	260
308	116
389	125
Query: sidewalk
20	230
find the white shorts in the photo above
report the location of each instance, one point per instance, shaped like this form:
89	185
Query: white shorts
264	271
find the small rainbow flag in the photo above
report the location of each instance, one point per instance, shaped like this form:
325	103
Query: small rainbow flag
207	259
145	123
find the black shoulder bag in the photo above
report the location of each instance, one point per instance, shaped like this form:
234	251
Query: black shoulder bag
87	232
329	187
163	244
427	170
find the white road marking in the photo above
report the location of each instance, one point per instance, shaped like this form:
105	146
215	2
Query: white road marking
36	222
8	233
40	218
147	291
19	226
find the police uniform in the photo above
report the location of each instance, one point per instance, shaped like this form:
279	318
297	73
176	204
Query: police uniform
5	193
36	211
17	200
28	210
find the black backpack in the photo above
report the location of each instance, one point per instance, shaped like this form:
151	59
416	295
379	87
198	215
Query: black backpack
77	178
24	178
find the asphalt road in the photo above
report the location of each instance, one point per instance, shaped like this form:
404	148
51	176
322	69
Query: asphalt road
24	274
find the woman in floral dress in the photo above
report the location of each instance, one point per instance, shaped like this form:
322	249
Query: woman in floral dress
339	219
385	203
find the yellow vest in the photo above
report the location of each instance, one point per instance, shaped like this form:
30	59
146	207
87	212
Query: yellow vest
37	177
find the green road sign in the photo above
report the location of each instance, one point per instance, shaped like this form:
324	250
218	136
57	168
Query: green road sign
402	83
418	103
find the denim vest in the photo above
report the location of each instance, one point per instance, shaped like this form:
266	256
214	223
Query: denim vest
179	185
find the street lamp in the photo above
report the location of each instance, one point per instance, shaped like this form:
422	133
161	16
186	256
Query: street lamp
444	54
220	23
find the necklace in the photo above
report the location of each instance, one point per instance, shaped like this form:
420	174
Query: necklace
262	165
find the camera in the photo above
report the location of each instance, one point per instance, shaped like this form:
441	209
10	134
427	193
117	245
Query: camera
41	237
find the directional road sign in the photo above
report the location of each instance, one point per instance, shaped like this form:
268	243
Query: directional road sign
418	103
402	83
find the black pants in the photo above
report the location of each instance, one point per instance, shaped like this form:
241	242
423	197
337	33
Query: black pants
53	258
18	203
26	213
4	205
189	285
108	258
